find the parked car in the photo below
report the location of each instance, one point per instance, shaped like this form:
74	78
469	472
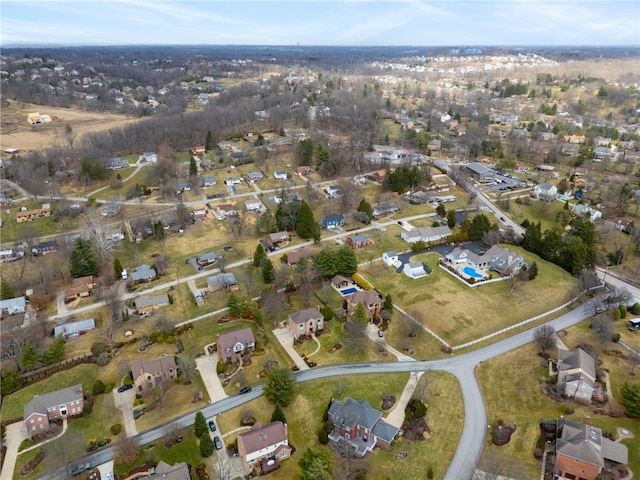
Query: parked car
78	469
245	389
218	443
380	334
212	426
124	388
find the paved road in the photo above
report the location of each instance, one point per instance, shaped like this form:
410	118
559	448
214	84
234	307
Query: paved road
462	367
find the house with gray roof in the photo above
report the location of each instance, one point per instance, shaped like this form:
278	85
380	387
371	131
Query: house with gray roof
581	451
497	259
545	191
234	344
426	234
143	273
360	425
73	329
222	280
179	471
576	374
150	373
67	402
13	306
480	173
305	322
145	304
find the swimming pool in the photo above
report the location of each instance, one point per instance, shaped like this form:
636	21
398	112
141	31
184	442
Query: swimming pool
467	270
348	291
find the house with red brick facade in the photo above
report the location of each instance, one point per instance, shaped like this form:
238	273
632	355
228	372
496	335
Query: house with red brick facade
68	402
149	373
232	345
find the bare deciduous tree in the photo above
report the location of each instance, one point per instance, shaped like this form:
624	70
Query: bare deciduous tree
602	329
96	228
545	337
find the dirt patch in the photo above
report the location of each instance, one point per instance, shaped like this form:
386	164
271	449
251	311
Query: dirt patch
501	432
15	132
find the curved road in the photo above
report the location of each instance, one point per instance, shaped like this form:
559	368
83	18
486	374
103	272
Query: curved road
463	367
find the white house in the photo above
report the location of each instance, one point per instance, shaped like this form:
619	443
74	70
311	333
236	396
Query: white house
426	234
391	259
151	157
280	175
253	205
414	270
545	191
264	442
233	181
586	210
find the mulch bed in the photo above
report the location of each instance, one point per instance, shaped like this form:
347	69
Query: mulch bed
31	466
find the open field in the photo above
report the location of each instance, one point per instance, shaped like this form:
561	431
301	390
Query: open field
445	417
510	385
15	132
459	313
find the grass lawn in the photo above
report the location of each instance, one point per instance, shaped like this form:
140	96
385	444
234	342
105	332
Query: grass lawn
510	385
383	241
35	229
459	313
177	401
445	417
22	460
13	405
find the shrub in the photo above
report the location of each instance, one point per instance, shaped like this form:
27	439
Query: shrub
103	359
86	410
623	311
97	348
327	313
616	338
323	437
127	380
116	429
98	387
635	309
219	368
430	473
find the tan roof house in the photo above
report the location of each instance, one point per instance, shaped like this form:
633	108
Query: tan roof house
179	471
232	345
67	402
264	446
80	287
370	299
147	374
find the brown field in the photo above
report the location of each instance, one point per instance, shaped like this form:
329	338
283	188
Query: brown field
15	132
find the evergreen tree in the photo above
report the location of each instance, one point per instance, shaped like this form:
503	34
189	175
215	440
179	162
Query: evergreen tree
365	208
193	167
117	268
30	356
6	290
388	303
56	351
206	446
83	259
451	218
533	271
208	145
259	255
630	399
306	225
278	414
200	426
278	388
268	272
441	210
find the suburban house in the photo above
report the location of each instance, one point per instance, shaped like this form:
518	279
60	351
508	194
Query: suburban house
577	374
581	451
545	191
183	187
586	211
480	173
280	175
208	181
414	270
360	425
73	329
264	444
234	344
278	237
80	288
198	150
148	374
199	213
179	471
115	234
227	210
10	255
253	205
143	273
12	306
116	163
145	304
151	157
43	248
497	259
359	241
28	215
426	234
332	221
295	256
391	259
141	230
254	177
305	322
304	171
222	280
233	181
67	402
206	259
369	298
419	197
385	208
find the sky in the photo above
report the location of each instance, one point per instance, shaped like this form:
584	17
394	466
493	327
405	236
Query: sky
325	22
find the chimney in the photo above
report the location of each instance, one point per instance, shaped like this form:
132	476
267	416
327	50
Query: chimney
586	420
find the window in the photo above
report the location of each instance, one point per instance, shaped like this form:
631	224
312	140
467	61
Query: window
33	428
41	426
283	454
32	420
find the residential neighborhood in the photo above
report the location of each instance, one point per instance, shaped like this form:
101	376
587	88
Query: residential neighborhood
409	265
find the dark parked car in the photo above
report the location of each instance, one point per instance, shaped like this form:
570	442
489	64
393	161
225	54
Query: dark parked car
212	426
245	389
218	443
124	388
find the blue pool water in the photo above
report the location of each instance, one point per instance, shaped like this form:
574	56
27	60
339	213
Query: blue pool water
467	270
348	291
